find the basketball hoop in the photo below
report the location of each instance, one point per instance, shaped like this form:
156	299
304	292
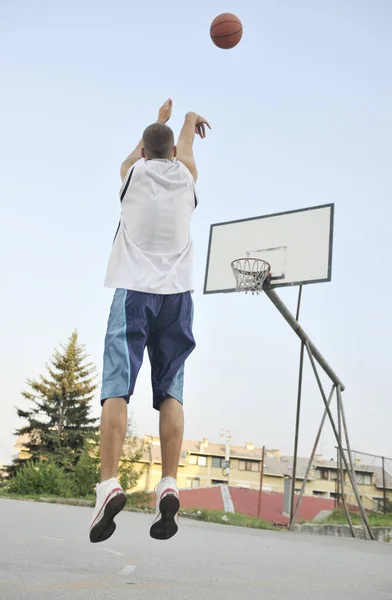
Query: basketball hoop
250	274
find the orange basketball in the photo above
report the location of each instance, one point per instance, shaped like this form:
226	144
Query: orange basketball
226	31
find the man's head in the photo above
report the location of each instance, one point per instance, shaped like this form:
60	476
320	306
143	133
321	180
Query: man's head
158	142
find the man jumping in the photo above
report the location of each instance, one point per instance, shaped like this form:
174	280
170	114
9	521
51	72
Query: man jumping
150	267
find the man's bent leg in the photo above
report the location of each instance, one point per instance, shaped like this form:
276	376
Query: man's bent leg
169	346
111	498
171	431
125	341
113	431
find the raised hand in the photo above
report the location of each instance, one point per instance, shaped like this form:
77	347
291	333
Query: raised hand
165	111
200	128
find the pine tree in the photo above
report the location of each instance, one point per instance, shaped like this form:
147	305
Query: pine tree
59	425
128	473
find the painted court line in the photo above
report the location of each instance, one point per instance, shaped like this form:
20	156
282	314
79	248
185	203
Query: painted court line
127	569
46	537
112	551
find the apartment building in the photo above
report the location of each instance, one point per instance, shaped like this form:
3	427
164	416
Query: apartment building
205	463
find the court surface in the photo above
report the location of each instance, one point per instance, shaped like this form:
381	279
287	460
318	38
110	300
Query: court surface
45	554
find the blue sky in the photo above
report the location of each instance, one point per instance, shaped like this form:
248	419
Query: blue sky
300	115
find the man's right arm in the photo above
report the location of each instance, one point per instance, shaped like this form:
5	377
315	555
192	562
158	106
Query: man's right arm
193	123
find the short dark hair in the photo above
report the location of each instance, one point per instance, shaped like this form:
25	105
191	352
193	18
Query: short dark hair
158	141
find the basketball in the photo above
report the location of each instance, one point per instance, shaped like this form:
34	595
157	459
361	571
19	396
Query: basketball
226	31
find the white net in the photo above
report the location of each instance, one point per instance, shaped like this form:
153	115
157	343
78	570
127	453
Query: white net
250	274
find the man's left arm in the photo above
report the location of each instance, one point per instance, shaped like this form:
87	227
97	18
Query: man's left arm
163	116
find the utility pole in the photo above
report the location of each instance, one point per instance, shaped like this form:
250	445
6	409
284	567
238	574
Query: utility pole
261	482
227	435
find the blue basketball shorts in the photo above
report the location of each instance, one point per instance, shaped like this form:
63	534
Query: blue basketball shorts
163	324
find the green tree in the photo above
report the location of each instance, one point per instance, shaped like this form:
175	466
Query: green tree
86	474
59	424
128	473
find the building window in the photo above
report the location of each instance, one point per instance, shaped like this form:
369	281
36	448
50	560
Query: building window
322	474
193	482
364	478
196	459
218	481
218	462
319	494
334	475
249	465
378	504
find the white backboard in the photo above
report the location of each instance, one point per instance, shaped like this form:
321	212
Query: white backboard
297	244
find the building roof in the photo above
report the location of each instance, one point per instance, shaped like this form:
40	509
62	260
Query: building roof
274	463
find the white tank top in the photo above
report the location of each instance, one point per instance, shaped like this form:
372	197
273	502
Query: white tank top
152	251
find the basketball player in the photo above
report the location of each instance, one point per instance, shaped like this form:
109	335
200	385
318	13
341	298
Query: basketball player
150	267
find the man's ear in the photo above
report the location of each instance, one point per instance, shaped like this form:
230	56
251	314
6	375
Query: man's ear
175	151
143	153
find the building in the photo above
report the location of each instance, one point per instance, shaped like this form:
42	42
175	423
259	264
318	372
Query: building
204	463
207	463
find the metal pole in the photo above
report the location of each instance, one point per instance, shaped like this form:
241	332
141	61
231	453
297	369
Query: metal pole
353	482
299	302
337	488
298	415
353	479
227	457
261	482
341	471
384	486
305	479
284	311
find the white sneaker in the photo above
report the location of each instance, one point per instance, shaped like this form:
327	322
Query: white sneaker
168	504
111	499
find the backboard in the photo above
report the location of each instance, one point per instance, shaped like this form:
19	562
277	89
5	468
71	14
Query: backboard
297	244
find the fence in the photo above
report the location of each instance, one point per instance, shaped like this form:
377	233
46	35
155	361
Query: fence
374	478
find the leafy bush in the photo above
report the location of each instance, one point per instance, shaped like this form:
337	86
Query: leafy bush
128	471
41	477
143	500
85	475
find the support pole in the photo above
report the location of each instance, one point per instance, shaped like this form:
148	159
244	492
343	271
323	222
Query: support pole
305	479
337	488
351	473
261	482
284	311
341	471
367	529
384	486
298	415
315	355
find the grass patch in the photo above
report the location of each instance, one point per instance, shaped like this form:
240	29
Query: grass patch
338	517
142	501
9	496
48	498
137	500
236	519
